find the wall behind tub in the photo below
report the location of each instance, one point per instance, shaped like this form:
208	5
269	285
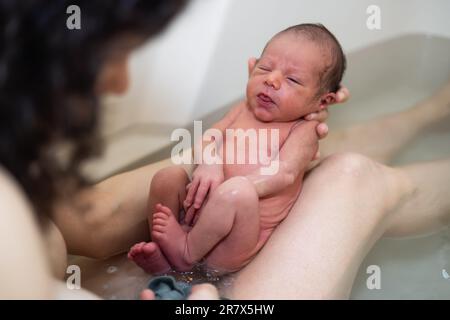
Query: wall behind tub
200	63
250	23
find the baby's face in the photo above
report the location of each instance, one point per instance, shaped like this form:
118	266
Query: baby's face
284	82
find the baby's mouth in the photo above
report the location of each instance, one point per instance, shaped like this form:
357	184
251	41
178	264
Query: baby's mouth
265	98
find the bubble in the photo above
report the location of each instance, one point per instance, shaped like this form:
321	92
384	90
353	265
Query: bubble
111	269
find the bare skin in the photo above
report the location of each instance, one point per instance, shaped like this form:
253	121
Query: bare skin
430	201
118	202
241	213
117	215
421	186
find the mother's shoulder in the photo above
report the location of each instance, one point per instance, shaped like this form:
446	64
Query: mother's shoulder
12	196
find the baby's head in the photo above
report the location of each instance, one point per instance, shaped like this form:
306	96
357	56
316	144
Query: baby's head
299	72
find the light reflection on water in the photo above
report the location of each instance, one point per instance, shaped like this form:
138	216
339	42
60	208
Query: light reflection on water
122	279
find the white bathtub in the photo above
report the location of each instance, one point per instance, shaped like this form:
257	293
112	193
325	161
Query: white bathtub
387	77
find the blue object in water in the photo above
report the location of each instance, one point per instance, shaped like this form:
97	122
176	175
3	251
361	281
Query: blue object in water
167	288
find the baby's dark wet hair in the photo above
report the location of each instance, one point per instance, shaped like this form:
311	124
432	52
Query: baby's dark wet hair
47	83
330	78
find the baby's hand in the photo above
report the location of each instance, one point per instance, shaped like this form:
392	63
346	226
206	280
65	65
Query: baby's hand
191	216
205	179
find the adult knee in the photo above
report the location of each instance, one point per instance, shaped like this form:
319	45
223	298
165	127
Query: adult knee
352	165
368	178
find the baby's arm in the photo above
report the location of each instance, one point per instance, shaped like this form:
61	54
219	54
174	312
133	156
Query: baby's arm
295	155
208	176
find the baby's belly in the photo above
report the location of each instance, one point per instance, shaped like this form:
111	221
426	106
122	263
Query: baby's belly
273	210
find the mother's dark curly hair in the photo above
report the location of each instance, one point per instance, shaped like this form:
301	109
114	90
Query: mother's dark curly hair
47	79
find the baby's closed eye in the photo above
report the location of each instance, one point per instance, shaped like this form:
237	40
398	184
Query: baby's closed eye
264	68
294	80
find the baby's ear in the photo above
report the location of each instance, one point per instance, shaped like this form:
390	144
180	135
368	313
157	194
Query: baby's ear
251	65
327	100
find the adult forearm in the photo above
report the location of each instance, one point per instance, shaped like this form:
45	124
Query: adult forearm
109	217
288	172
266	185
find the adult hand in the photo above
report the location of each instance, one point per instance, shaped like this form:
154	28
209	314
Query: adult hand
342	95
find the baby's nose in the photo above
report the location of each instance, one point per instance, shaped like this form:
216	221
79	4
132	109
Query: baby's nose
273	80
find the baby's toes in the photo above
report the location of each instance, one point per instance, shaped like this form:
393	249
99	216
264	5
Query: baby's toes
157	234
160	222
166	210
160	215
135	250
150	248
158	228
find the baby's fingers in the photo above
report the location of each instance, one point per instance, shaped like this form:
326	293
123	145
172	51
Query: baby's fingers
189	215
191	193
213	186
201	194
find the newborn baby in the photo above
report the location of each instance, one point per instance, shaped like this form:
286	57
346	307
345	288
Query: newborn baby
231	209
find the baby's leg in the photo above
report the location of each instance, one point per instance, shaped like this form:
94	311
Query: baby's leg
169	188
228	223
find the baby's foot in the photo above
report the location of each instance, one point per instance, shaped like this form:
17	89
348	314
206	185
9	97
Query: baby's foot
169	235
148	256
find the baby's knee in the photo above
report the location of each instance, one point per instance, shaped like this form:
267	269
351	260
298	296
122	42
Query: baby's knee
237	191
169	178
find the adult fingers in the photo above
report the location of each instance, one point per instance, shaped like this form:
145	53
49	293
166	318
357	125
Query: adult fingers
204	291
320	116
322	130
342	95
147	294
